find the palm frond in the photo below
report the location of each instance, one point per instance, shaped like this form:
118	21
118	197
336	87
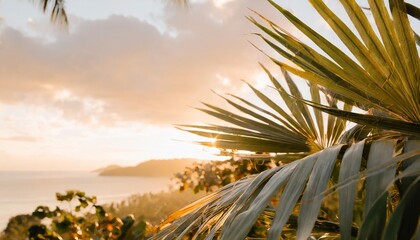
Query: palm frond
303	185
273	128
57	10
413	10
370	120
385	71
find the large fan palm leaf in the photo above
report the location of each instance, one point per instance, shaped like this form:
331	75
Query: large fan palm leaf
304	185
291	128
384	73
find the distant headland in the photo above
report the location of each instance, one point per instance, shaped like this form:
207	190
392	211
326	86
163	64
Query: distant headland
150	168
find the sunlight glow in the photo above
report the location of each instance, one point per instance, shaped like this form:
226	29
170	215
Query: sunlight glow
62	95
221	3
260	80
225	81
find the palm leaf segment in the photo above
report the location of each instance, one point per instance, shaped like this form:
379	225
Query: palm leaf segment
230	212
295	130
384	73
58	12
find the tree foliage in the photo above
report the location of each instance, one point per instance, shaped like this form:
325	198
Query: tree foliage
17	227
86	220
146	210
152	208
210	176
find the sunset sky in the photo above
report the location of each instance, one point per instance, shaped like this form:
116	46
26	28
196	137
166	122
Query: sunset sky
110	88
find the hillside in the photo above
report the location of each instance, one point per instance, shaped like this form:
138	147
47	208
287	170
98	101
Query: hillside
107	168
151	168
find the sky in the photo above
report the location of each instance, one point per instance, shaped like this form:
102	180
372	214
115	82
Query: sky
109	89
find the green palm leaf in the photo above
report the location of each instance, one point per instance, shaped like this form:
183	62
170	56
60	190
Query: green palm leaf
385	72
371	120
304	181
350	166
395	223
275	129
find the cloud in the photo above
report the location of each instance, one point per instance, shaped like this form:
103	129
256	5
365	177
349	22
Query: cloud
121	68
41	162
21	138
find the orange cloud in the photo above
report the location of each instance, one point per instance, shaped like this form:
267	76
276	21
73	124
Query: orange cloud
135	72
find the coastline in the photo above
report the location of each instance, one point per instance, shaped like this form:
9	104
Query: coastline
23	191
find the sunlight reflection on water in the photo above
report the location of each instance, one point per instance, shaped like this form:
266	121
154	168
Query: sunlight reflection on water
22	192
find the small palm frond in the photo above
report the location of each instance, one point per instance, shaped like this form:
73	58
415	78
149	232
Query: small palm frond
231	212
295	130
384	73
58	12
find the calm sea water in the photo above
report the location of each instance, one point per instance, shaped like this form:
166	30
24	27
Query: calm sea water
22	192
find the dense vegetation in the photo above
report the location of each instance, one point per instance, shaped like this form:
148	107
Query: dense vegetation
18	226
86	220
209	176
78	215
152	208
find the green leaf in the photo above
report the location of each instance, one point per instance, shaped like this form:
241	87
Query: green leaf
242	223
231	210
350	166
408	202
410	216
381	152
245	201
413	10
370	120
385	75
290	195
317	184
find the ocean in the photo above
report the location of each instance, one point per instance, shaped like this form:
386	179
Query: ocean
22	192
